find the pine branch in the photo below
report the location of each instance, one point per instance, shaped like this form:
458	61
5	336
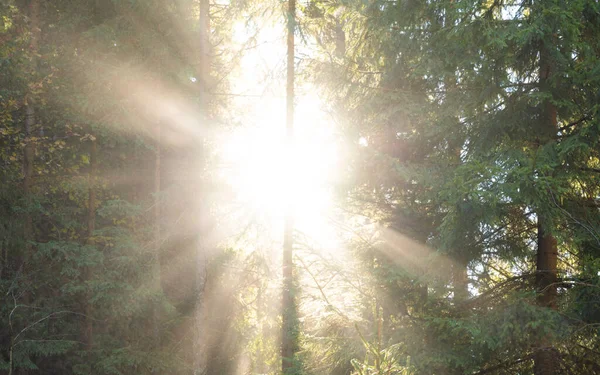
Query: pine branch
574	123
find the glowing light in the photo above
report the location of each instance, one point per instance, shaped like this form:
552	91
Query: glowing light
258	169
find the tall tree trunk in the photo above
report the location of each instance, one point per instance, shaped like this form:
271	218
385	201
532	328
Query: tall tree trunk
546	357
28	167
288	336
156	276
30	121
200	336
28	156
91	223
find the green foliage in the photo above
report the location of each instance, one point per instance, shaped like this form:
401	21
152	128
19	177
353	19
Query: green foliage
65	280
442	104
443	112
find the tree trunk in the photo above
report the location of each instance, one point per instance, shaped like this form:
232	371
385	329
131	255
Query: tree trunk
30	121
288	336
91	222
461	281
156	276
28	156
546	357
28	170
201	337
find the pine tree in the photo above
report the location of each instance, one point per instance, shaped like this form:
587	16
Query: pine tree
484	212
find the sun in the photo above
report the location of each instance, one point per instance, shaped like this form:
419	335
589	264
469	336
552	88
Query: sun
266	175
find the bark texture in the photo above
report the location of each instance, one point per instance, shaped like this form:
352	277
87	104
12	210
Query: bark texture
546	357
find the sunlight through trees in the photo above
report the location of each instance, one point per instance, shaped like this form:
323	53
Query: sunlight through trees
381	187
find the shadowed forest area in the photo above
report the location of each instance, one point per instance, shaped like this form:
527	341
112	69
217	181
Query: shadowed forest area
300	187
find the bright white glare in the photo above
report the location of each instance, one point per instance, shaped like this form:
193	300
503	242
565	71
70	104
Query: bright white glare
259	165
260	169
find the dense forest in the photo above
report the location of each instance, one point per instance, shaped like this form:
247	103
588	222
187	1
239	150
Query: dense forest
344	187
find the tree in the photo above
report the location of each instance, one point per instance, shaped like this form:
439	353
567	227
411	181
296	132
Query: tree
469	201
484	212
289	334
94	254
